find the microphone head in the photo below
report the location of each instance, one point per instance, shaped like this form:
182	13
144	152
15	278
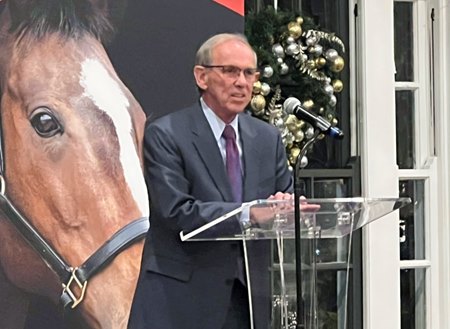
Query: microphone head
290	104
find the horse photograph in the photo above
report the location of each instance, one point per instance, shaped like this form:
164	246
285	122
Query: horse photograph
74	204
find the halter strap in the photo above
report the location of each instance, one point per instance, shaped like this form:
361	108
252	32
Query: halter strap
69	276
50	256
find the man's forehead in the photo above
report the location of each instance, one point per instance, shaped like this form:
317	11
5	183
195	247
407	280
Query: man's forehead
230	47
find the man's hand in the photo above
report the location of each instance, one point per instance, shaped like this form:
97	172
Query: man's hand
283	210
308	207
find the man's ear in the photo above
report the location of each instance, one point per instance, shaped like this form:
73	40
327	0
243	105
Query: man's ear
201	77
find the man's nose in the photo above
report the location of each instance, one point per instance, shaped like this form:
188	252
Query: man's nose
241	78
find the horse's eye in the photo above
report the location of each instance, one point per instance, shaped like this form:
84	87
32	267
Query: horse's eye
45	124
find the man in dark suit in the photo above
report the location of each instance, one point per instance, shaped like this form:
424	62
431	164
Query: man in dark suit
201	285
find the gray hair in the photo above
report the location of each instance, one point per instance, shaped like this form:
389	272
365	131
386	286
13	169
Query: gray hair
204	53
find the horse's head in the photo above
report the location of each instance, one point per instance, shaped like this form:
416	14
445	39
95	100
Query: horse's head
71	135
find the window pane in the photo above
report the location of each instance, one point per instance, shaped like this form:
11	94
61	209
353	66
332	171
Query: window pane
404	113
412	223
403	41
413	301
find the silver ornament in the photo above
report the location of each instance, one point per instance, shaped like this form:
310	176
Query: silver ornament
304	162
332	101
279	60
328	89
292	49
290	138
318	50
284	69
267	71
311	41
279	123
331	54
309	133
265	89
278	50
290	40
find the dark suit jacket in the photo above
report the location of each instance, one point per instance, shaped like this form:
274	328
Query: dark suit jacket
187	285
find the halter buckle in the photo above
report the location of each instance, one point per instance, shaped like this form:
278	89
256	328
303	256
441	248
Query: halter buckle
81	287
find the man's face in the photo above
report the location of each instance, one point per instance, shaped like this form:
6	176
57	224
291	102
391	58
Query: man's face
227	82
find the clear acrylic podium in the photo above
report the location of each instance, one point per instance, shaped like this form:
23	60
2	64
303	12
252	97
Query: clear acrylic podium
274	221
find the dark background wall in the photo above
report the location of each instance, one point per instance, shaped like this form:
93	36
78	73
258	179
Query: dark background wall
155	47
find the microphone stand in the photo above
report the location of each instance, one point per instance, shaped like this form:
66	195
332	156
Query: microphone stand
298	256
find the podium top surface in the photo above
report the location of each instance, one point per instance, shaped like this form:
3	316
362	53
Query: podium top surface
319	218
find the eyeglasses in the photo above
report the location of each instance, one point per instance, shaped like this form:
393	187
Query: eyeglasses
233	72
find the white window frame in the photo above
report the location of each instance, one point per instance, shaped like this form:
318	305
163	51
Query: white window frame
376	110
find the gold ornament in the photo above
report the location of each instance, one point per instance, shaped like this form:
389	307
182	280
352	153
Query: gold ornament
300	124
308	104
311	64
258	113
329	117
338	64
320	62
291	122
293	155
337	85
257	87
334	122
299	20
295	30
258	103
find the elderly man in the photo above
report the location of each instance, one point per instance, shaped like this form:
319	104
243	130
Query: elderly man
202	162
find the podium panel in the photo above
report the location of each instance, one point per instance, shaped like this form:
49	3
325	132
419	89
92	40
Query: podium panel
267	231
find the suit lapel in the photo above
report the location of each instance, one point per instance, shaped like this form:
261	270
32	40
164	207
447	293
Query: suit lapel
251	157
205	143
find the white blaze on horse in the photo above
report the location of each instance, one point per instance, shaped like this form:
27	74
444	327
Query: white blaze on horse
71	165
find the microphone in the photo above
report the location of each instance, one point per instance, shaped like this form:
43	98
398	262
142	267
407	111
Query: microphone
293	106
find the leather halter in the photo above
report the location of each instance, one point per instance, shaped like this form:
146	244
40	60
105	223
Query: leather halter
73	279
